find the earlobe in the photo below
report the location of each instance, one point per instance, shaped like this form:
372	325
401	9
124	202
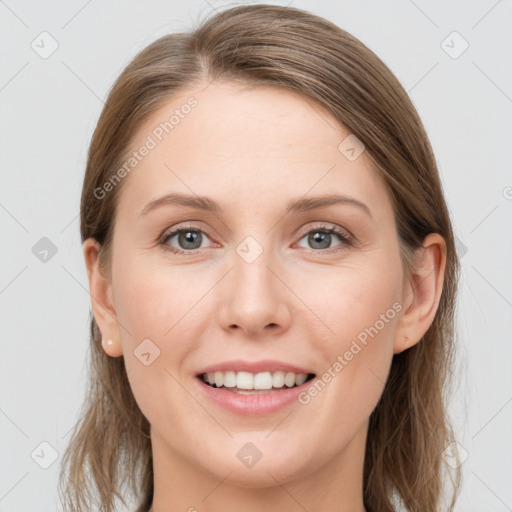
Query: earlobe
111	348
422	293
100	290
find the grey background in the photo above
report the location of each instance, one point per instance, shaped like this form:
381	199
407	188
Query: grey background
48	110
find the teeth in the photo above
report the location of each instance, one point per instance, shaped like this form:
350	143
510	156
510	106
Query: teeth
229	379
248	381
262	380
244	380
278	380
301	378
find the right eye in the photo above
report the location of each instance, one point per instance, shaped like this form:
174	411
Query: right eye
189	239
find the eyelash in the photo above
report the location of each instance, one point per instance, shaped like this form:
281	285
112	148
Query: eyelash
345	239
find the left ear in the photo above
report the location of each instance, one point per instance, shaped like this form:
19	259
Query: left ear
422	293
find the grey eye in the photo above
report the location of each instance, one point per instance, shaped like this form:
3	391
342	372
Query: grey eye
319	240
188	239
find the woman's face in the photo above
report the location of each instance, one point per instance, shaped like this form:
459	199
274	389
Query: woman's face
254	282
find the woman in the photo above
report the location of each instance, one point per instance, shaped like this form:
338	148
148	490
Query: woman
273	279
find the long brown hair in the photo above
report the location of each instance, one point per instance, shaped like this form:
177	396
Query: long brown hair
109	454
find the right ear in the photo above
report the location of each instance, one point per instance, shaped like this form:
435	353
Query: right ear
102	301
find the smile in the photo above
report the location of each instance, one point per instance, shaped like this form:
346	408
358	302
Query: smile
255	383
248	400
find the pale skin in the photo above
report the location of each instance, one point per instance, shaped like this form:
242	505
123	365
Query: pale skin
252	150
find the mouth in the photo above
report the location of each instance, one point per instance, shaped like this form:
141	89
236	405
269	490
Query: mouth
246	383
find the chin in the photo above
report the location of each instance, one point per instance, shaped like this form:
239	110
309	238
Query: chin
263	474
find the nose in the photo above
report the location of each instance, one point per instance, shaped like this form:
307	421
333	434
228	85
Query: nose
255	300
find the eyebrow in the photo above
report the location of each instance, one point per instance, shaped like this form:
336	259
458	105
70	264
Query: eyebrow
295	205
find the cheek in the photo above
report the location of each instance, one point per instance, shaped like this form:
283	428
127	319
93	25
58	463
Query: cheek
157	310
156	302
359	309
350	299
165	306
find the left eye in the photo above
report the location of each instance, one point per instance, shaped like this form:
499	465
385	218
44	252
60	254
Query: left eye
322	238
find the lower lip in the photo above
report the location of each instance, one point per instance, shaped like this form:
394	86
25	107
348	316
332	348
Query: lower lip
251	405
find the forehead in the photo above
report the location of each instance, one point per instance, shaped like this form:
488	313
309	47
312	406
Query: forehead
246	146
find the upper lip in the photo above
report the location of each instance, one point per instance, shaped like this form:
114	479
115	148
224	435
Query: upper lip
266	365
